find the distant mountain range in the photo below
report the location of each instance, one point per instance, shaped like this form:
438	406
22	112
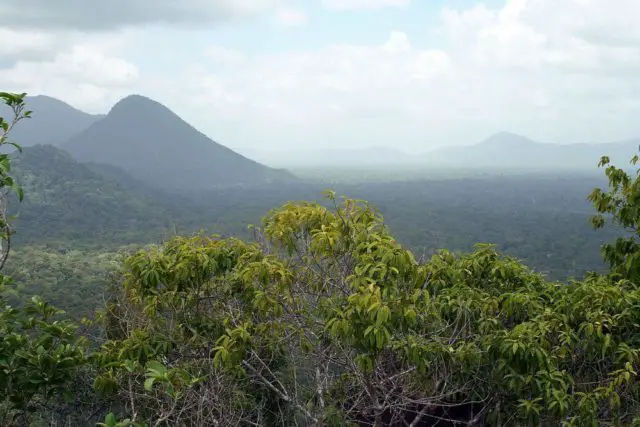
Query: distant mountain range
508	150
503	150
152	144
145	139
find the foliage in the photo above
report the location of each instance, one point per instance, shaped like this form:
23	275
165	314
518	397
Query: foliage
76	218
74	279
328	320
15	102
621	203
39	354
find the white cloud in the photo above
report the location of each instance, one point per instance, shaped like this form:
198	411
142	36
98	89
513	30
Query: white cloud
555	71
32	44
87	73
332	83
363	4
291	17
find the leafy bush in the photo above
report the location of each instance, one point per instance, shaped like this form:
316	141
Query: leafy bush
328	320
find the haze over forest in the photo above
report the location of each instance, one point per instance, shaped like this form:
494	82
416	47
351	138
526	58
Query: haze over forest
63	126
319	213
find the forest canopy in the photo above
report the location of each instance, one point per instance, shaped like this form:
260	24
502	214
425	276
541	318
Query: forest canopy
324	318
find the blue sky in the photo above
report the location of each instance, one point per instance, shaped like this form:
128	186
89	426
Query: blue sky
324	27
282	75
419	20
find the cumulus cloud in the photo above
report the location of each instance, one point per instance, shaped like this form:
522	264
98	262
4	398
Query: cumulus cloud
33	45
87	73
555	71
106	15
363	4
334	82
288	17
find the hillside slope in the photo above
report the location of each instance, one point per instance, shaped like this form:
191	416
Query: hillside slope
156	146
64	198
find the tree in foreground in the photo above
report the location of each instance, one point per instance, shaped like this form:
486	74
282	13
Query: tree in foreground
621	204
39	354
327	320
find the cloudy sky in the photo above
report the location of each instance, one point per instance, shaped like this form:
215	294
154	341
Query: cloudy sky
284	74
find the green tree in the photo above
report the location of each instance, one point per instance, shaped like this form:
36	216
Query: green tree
16	104
39	354
621	204
327	320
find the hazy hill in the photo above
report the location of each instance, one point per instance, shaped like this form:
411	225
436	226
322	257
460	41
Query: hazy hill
53	122
501	151
156	146
509	150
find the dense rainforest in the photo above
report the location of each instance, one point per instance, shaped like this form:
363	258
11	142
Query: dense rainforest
76	218
325	313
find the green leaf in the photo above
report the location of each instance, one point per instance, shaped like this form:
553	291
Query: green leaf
148	383
110	420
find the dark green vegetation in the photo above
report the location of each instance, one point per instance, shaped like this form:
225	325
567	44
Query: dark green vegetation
322	316
98	210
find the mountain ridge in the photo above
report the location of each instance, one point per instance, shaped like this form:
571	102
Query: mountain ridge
53	121
156	146
505	149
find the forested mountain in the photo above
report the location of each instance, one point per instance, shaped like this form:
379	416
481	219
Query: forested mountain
54	123
66	198
69	203
511	151
156	146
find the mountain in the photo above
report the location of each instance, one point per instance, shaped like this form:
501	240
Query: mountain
356	157
508	150
154	145
53	122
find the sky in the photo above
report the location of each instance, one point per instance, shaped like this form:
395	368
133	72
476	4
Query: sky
304	74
